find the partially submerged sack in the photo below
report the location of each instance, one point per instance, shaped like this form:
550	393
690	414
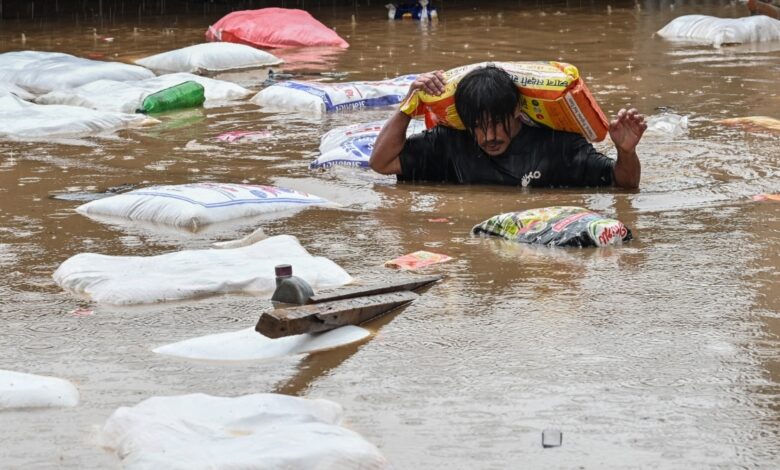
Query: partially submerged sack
274	28
189	274
352	145
251	432
127	97
248	344
44	72
19	390
753	123
552	95
20	120
209	58
318	97
556	226
194	206
719	31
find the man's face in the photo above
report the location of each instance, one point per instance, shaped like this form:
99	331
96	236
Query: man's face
494	139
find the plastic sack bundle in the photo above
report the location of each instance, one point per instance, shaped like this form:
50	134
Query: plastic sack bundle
667	125
552	94
194	206
20	120
209	58
352	145
719	31
274	28
128	97
556	226
188	274
248	344
317	97
262	431
19	390
42	72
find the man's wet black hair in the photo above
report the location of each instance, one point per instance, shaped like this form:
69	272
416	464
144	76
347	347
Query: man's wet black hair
486	95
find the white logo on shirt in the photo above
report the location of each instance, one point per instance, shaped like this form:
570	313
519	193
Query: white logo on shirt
532	175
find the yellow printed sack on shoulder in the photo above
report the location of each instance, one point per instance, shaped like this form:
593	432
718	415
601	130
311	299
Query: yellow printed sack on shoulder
552	94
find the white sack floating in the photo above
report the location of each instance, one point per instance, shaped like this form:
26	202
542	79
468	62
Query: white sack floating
318	97
209	58
719	31
19	390
352	145
127	97
42	72
248	344
189	274
252	432
20	120
194	206
13	62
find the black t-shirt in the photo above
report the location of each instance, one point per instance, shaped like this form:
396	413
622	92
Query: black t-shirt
537	157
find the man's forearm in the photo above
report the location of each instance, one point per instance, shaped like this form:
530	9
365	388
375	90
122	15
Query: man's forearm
389	144
627	170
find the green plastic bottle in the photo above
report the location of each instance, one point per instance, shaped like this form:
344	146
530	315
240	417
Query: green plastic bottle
184	95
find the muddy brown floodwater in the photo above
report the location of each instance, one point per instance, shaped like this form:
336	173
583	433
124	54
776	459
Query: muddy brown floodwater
661	353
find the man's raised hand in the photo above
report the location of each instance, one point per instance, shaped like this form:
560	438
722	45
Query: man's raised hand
430	82
626	130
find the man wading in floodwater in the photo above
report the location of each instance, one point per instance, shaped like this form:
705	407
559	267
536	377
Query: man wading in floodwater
498	148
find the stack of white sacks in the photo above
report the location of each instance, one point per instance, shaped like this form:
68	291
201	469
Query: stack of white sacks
95	97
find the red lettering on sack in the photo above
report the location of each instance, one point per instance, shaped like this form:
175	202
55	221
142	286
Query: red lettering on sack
609	233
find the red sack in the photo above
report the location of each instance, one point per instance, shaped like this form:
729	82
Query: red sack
274	28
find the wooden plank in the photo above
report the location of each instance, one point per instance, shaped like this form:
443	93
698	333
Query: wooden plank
407	284
324	316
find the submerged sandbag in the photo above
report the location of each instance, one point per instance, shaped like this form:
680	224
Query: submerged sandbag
20	120
262	431
19	390
318	97
188	274
194	206
556	226
274	28
42	72
209	58
127	97
753	123
248	344
552	94
719	31
352	145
